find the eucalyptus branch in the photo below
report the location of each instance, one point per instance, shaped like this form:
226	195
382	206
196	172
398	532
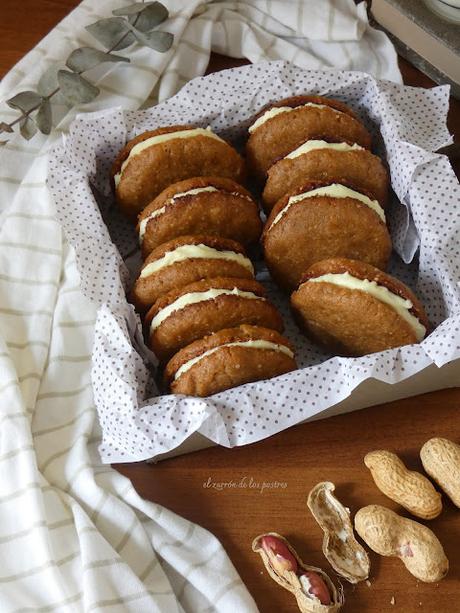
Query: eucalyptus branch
131	24
4	126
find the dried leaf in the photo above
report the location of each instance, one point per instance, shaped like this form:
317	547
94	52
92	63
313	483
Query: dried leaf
3	143
76	89
48	82
27	128
24	101
150	17
43	119
132	9
160	41
86	58
4	127
110	31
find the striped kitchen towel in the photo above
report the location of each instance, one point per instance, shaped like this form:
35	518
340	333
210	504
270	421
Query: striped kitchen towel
74	534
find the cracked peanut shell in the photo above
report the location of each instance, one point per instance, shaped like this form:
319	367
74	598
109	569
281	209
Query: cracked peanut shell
340	547
291	582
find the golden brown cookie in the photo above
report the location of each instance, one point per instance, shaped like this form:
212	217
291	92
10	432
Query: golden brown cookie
185	260
157	158
354	309
285	125
203	205
327	162
229	358
182	316
321	221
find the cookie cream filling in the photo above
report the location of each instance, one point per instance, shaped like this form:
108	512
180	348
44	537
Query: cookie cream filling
311	145
277	110
254	344
186	252
191	192
162	138
335	190
196	297
401	305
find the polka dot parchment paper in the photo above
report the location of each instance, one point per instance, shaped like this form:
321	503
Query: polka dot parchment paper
408	126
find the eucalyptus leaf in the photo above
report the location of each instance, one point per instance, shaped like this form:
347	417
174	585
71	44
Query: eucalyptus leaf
86	58
4	127
160	41
125	41
43	118
76	89
150	17
27	128
110	31
48	82
24	101
132	9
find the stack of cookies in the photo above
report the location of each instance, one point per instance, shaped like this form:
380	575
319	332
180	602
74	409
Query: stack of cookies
325	242
206	318
326	238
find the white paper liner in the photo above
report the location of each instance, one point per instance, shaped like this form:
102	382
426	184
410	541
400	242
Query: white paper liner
137	423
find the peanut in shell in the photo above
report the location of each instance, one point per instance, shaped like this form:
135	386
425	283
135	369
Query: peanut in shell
389	534
408	488
441	460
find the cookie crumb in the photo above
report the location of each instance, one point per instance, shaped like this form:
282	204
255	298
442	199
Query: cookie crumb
392	601
368	583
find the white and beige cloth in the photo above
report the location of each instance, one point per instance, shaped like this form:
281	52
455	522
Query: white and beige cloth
74	535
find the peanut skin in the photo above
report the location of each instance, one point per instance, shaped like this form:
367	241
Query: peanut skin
389	534
441	460
279	555
408	488
316	586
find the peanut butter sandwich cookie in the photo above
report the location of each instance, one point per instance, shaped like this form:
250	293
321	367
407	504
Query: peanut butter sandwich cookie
285	125
155	159
322	221
182	316
353	308
203	205
324	161
229	358
185	260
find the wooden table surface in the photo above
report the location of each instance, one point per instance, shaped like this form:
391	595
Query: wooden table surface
223	489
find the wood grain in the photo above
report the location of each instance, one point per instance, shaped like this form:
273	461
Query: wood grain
223	490
23	24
